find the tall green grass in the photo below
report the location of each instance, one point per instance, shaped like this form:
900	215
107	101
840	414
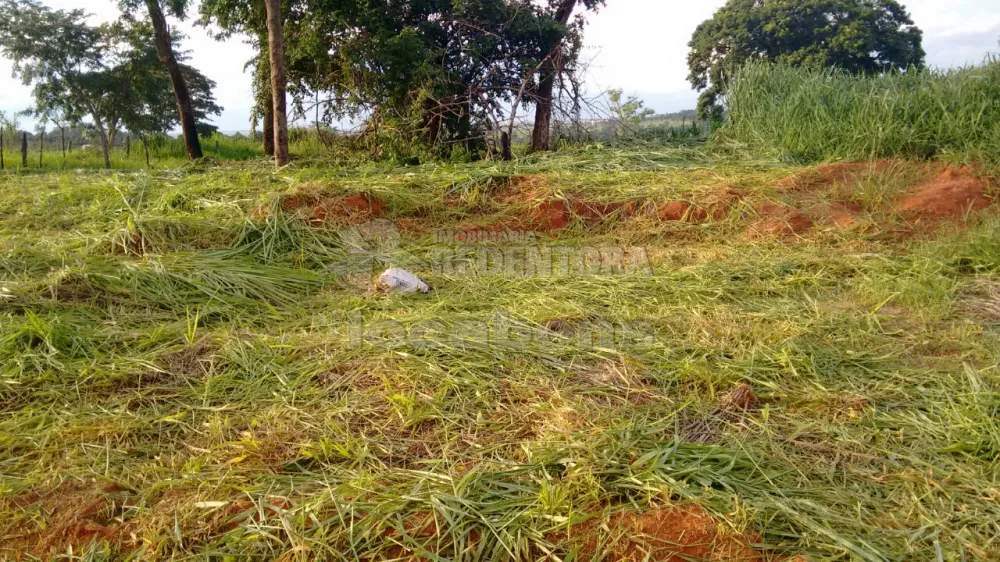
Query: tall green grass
820	115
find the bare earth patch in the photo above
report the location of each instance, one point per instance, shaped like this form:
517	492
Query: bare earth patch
670	534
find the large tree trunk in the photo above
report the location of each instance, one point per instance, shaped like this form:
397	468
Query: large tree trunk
99	125
269	127
161	36
546	84
113	132
276	49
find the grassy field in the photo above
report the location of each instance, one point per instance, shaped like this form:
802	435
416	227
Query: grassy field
791	362
166	155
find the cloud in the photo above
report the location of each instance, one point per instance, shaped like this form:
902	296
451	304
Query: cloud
961	49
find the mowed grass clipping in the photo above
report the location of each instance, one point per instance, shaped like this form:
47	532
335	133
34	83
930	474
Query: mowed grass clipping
829	115
178	378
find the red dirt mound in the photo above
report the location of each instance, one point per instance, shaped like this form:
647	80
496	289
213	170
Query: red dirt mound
714	204
352	209
520	189
844	214
549	216
950	196
74	516
828	175
721	200
681	211
775	219
557	214
668	535
593	212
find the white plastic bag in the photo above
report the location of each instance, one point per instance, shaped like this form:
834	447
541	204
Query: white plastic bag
401	281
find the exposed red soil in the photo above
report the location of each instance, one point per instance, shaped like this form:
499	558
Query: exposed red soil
352	209
721	200
948	196
775	219
843	214
556	214
681	211
951	196
75	515
549	216
828	175
412	226
715	205
79	514
675	534
821	196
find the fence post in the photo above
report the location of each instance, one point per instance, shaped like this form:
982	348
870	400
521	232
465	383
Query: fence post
128	146
41	149
24	150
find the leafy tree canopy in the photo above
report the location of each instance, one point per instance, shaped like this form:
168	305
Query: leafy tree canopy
107	73
863	36
438	70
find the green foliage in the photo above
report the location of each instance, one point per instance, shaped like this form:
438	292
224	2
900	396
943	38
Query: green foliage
60	54
814	115
628	113
148	105
858	36
437	73
106	74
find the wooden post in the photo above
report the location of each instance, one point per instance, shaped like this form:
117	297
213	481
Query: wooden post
41	149
128	146
145	148
62	132
24	150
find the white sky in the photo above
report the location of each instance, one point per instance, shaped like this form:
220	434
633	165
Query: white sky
638	45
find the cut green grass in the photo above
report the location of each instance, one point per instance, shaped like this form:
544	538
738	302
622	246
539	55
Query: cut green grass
178	378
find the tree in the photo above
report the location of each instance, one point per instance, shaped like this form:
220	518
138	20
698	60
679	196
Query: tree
248	18
628	113
861	36
276	52
164	47
68	71
146	104
555	61
58	118
435	73
107	73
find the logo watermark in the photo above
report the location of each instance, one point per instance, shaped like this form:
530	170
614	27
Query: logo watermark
487	253
502	331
